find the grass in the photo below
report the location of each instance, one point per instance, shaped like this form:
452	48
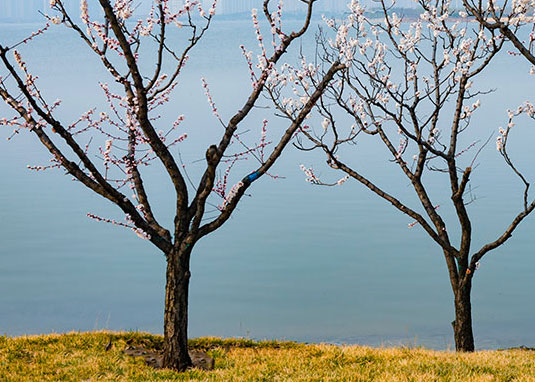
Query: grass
82	357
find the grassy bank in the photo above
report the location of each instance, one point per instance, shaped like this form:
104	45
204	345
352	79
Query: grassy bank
83	357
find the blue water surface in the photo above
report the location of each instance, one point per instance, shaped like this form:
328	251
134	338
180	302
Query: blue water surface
296	261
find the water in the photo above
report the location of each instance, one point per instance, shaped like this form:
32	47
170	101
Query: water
294	262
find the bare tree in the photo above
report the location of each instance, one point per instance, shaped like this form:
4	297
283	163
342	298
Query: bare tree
410	85
130	129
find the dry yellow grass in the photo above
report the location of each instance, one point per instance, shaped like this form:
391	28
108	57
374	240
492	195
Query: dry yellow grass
82	357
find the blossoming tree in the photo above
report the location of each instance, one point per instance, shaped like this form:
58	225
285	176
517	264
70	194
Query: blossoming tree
510	20
515	22
132	135
410	85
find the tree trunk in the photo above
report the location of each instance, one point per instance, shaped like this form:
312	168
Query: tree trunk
462	326
176	354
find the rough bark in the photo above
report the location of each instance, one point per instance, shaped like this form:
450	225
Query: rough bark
462	326
175	355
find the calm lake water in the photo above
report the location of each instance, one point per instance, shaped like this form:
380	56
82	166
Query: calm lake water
295	262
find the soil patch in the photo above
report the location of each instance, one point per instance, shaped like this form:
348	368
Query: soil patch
154	358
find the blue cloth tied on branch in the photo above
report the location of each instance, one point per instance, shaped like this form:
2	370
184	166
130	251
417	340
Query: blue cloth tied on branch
253	176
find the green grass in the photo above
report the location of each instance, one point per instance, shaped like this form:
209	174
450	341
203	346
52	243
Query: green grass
82	357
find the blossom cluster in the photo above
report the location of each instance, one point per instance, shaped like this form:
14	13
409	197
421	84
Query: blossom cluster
527	109
127	224
311	177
